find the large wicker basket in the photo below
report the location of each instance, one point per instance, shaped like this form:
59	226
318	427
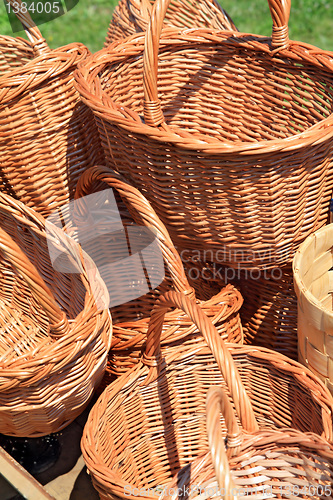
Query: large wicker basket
131	16
264	464
130	320
54	339
151	421
313	279
48	137
228	135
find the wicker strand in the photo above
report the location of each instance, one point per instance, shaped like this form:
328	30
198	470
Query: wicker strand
40	47
217	401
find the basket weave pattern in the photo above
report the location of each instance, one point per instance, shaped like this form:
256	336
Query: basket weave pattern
154	415
130	17
53	339
130	320
262	464
269	311
312	268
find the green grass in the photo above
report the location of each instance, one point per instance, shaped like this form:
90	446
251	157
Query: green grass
87	22
311	21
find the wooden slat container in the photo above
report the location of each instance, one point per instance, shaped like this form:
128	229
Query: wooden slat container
313	281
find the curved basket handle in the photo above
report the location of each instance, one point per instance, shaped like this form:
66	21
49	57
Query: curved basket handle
225	362
153	114
280	12
32	31
133	198
217	402
58	321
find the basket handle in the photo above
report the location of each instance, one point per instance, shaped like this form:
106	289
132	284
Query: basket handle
217	402
33	33
134	199
59	325
226	364
153	114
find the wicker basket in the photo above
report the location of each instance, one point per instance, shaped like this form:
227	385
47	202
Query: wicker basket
312	268
151	422
130	17
265	464
238	164
53	338
131	319
47	135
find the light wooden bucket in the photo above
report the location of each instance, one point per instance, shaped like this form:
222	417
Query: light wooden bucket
313	281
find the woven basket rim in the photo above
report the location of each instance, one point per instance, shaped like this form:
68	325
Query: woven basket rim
12	83
88	85
229	294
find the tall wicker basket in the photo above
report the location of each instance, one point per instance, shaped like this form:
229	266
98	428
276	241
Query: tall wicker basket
130	17
228	135
48	137
54	336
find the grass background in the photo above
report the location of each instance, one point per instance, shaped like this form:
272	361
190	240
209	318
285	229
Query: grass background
311	21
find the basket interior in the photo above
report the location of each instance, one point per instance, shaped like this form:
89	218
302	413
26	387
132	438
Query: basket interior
23	322
145	444
301	469
227	91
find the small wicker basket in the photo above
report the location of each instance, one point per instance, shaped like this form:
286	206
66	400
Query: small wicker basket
54	339
130	320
